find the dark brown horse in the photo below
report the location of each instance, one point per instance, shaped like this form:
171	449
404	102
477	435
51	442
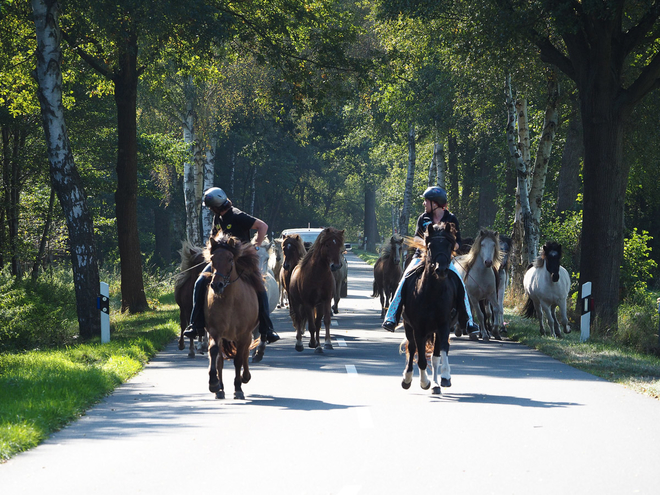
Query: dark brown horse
231	308
387	272
312	286
192	264
432	302
293	251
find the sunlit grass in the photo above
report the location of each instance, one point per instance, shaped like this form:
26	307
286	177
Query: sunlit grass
43	390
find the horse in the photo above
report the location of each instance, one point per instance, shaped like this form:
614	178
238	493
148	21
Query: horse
275	264
231	308
265	254
432	304
311	288
192	264
479	269
547	284
387	272
341	283
293	250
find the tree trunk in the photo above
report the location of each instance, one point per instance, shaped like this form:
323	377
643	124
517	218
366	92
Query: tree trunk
63	172
569	172
370	224
487	192
404	219
540	170
192	175
452	172
134	299
44	238
209	175
605	182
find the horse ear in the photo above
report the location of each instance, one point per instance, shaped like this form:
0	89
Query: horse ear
213	242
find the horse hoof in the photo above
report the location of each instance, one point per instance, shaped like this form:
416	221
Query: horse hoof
328	345
238	394
246	377
258	355
318	350
486	338
220	394
474	337
458	331
299	347
445	382
214	387
496	335
425	386
181	346
191	355
436	391
405	385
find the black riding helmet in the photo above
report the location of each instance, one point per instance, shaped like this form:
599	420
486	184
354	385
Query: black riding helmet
216	198
437	194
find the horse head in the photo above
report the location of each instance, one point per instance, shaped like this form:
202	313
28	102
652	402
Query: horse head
487	245
222	251
293	249
330	244
439	240
396	243
552	256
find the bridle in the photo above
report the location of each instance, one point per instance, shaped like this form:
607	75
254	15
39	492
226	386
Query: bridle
226	279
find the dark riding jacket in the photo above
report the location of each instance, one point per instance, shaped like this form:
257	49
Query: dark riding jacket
425	219
235	222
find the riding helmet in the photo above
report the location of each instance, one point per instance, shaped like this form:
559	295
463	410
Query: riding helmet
437	194
215	198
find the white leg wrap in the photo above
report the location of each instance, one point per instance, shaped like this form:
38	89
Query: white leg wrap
445	370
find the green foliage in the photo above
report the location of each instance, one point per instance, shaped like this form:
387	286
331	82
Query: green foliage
37	315
567	231
638	325
637	266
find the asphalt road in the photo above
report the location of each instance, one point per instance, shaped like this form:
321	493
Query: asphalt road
513	422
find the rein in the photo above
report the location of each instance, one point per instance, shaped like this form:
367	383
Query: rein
226	279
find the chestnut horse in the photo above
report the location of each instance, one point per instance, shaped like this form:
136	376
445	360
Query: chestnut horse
312	286
432	303
293	250
192	264
387	272
231	308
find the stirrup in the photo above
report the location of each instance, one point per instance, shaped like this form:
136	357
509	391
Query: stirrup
192	332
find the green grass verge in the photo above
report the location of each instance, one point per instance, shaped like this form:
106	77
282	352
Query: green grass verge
42	391
616	363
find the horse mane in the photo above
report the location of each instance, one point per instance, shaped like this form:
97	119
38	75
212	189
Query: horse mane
246	259
417	243
552	246
387	248
328	233
471	258
299	244
190	257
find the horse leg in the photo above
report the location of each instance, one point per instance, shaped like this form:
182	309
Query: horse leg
313	327
496	315
412	348
215	371
241	363
259	352
422	363
564	317
327	319
555	323
539	313
384	303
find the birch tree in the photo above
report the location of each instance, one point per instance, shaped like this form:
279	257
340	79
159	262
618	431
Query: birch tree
63	172
404	219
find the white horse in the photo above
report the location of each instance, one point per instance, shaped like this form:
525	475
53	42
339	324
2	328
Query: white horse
479	270
547	284
272	289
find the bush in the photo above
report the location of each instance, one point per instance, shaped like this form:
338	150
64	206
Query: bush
637	267
638	327
36	315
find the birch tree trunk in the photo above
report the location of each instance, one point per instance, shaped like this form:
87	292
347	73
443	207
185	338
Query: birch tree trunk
438	169
518	151
541	165
404	219
192	175
63	172
209	172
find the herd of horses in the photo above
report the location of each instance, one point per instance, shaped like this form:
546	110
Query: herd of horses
309	279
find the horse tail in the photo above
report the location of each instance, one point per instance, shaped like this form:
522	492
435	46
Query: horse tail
228	349
529	311
375	292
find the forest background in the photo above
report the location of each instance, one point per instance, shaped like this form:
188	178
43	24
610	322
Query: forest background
310	113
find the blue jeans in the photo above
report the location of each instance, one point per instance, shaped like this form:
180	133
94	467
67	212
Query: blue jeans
396	299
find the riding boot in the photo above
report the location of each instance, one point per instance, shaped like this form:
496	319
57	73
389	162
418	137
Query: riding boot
265	325
389	325
197	322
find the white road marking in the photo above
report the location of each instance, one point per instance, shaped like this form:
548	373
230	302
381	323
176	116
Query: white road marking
340	342
333	323
351	369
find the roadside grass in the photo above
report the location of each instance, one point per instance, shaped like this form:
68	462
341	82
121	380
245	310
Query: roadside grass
600	357
41	391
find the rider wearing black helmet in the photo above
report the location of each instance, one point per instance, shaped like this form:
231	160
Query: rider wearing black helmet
435	211
232	221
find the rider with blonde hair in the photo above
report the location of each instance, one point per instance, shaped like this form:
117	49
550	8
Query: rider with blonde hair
435	211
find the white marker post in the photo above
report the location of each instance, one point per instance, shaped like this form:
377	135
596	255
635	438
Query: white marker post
104	307
585	320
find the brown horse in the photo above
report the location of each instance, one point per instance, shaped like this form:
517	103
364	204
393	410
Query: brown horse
192	264
231	308
293	250
312	286
387	272
341	283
